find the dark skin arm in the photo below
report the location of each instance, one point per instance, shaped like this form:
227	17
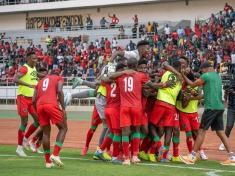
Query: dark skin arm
199	97
115	75
106	79
19	82
34	99
227	93
61	97
159	85
115	54
146	90
198	82
226	96
167	67
191	97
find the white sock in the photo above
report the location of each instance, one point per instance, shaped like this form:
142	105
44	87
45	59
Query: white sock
20	146
114	158
232	155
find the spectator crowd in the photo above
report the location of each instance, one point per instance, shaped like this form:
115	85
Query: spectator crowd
211	39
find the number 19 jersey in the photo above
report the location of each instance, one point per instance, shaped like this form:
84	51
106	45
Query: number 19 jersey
47	90
130	87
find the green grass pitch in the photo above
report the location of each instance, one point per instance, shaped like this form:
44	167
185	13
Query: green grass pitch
75	165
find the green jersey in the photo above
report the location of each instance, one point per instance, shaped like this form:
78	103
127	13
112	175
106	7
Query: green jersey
212	89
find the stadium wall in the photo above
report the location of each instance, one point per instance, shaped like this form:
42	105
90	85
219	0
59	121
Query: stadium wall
158	11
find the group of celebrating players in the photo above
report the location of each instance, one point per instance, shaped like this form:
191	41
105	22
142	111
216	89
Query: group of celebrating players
136	109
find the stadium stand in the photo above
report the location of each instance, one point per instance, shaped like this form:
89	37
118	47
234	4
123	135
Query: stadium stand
76	56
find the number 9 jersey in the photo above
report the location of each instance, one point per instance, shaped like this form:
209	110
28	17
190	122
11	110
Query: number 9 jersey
47	90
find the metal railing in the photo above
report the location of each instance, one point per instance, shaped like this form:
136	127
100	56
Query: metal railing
16	2
8	92
81	28
8	95
108	26
68	81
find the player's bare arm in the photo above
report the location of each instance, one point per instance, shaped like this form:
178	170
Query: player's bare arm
34	99
19	82
160	85
167	67
186	100
106	79
114	76
198	82
198	97
226	97
115	54
61	95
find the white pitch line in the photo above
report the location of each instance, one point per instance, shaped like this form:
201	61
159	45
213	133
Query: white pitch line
144	164
212	173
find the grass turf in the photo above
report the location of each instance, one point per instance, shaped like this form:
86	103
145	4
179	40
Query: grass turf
11	165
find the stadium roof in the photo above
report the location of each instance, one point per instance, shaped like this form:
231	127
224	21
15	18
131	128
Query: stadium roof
74	4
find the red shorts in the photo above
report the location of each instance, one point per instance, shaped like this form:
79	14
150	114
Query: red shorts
49	112
144	119
188	121
170	120
149	106
130	116
25	106
164	117
95	118
112	116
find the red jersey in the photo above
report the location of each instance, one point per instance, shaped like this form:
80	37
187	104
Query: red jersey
107	44
144	99
130	86
47	90
113	95
175	35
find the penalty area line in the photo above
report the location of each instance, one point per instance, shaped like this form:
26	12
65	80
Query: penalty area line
143	164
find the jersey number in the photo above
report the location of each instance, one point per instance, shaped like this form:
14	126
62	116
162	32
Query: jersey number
45	84
112	93
128	84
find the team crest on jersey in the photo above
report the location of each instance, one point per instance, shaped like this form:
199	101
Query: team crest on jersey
172	78
33	74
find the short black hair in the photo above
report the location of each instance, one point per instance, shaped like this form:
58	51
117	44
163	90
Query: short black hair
142	61
142	42
132	63
120	66
205	64
120	59
185	58
42	69
30	53
176	64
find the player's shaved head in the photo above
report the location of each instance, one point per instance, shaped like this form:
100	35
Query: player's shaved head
132	63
